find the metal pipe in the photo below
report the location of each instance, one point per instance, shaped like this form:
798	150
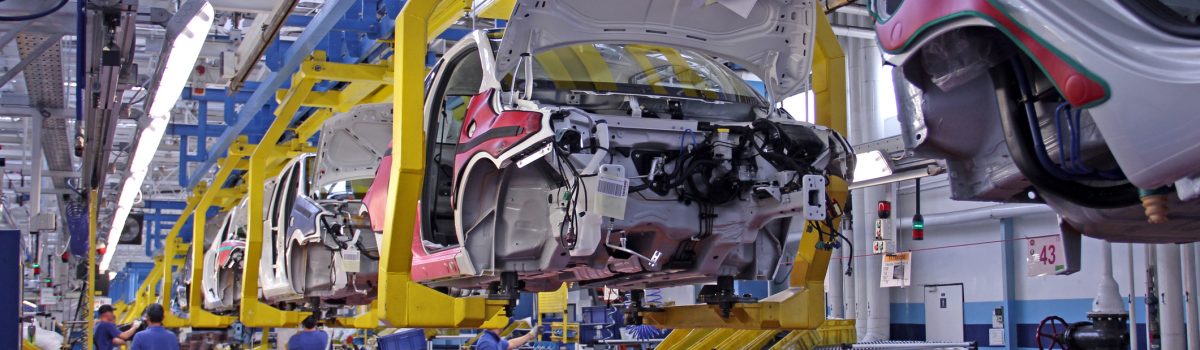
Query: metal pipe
80	62
1196	285
854	32
915	346
1170	303
1133	344
1108	297
1189	292
995	212
833	286
857	10
629	341
1152	324
855	287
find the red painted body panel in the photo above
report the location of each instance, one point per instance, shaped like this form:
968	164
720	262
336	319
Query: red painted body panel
226	249
430	266
486	121
915	17
376	197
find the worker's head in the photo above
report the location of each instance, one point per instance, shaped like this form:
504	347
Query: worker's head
309	322
105	313
154	314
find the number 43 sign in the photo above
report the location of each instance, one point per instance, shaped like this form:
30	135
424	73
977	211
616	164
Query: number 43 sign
1046	255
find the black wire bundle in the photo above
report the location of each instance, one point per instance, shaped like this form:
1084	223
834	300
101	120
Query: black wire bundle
568	229
695	178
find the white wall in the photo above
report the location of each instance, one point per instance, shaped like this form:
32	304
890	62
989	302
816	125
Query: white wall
978	266
969	254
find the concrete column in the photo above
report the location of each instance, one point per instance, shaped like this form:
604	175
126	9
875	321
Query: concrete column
872	304
1170	299
1188	251
35	140
1132	302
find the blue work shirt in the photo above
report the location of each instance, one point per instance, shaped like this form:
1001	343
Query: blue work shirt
104	334
155	338
491	341
309	340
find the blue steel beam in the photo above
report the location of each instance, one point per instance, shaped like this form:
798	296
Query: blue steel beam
202	130
321	24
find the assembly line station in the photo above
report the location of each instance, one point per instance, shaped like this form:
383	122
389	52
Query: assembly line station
600	174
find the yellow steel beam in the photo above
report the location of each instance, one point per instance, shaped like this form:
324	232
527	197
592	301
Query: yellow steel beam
682	339
441	16
802	306
253	312
145	294
318	99
314	122
346	72
495	9
170	262
93	212
447	12
365	83
713	338
718	339
196	314
746	339
403	302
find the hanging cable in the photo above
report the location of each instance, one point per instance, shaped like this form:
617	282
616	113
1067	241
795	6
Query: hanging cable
35	15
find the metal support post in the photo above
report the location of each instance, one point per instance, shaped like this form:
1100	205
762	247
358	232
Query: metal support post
1010	286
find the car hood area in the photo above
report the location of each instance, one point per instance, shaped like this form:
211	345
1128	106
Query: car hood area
770	38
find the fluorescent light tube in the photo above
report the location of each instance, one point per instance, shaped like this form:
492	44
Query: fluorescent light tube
187	30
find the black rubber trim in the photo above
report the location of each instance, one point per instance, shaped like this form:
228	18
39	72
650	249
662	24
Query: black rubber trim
494	133
1020	146
1162	17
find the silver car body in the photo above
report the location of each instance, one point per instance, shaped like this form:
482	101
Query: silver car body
303	259
510	211
221	283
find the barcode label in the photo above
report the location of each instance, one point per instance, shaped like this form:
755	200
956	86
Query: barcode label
613	187
350	259
614	191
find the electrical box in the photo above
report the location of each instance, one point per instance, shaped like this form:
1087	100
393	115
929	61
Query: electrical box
1054	254
885	237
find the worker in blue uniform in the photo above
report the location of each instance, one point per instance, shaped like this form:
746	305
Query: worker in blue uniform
309	338
106	334
490	340
155	337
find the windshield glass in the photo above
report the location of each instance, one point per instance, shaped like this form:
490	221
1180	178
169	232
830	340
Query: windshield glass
641	70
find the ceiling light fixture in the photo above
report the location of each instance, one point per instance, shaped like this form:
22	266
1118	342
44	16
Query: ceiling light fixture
186	32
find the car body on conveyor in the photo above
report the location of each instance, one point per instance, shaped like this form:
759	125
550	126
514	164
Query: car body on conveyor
223	261
182	281
593	147
1087	106
318	244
